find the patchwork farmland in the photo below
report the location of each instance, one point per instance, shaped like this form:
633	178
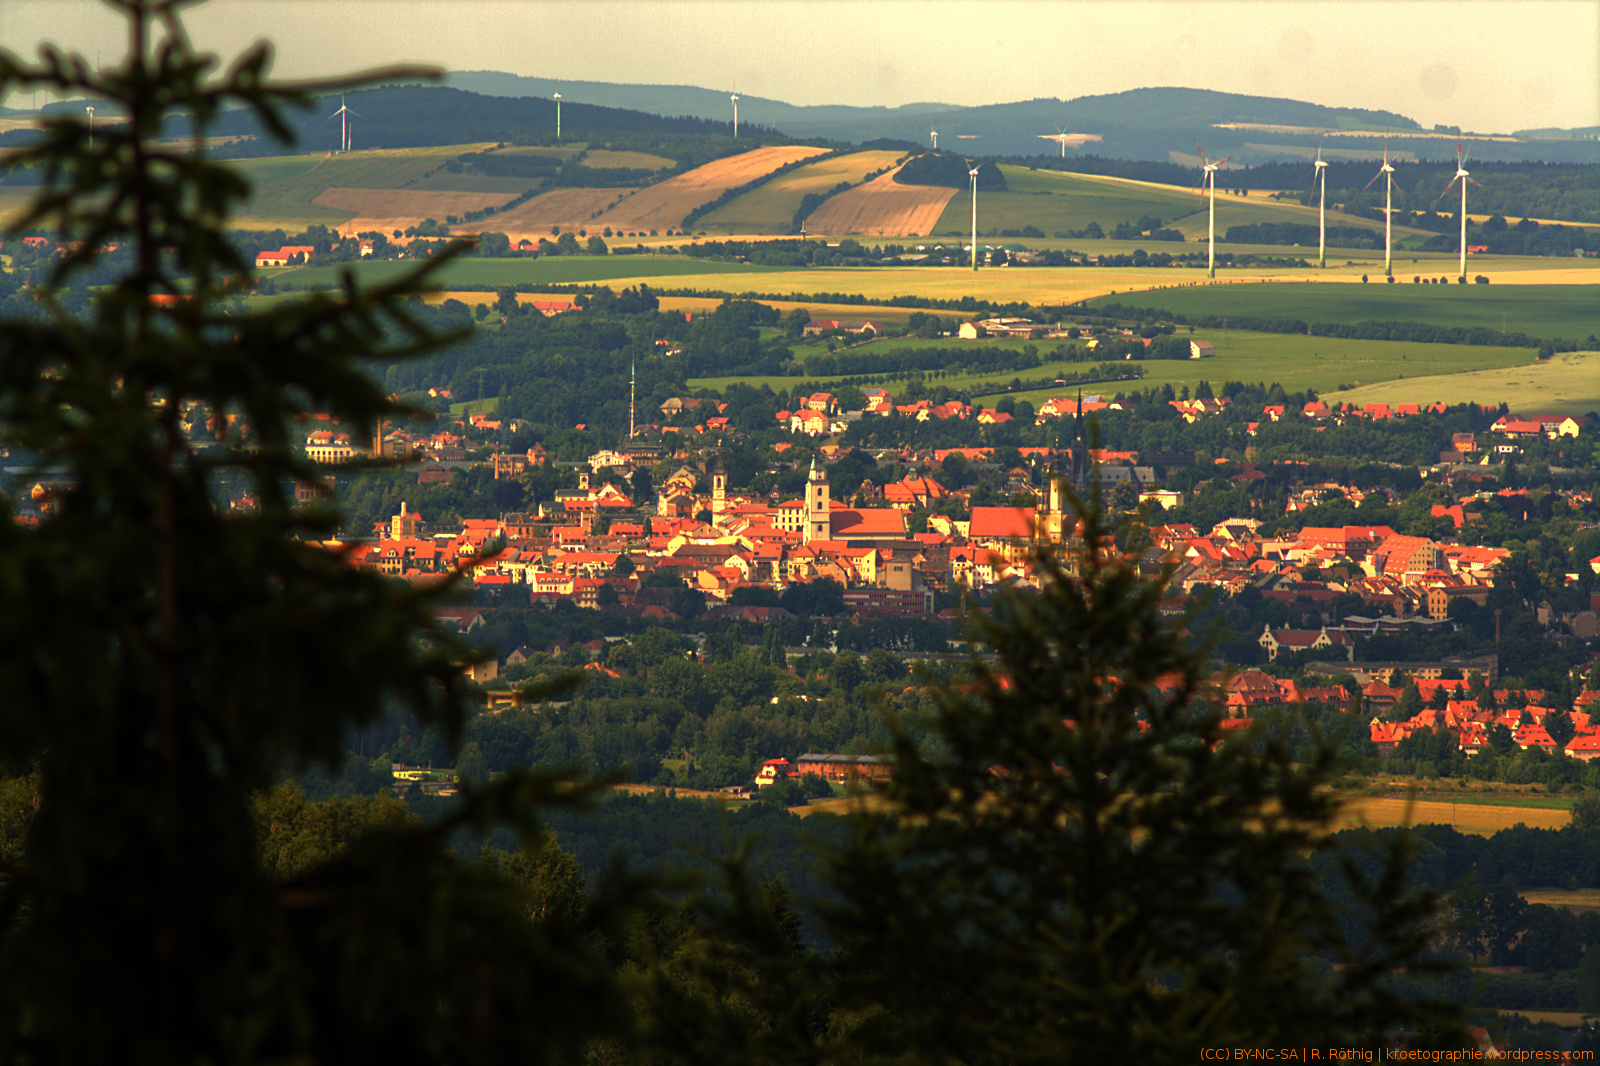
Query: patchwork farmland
563	209
882	208
664	205
771	207
391	209
285	188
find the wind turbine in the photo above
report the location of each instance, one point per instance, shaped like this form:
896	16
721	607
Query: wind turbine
558	115
972	172
735	98
1386	172
1463	177
90	109
1061	138
1208	176
343	115
935	135
1319	173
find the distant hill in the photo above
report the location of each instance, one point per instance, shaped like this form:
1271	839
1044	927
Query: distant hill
1149	124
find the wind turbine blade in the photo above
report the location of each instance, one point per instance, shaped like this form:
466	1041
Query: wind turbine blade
1476	182
1446	192
1375	177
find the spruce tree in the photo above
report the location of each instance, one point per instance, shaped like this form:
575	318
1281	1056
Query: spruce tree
174	638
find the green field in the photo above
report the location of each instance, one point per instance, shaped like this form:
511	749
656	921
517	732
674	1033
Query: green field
546	270
1320	364
770	208
604	158
283	187
1055	201
1538	310
1297	363
1568	384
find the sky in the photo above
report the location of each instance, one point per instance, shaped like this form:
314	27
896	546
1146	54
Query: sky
1485	65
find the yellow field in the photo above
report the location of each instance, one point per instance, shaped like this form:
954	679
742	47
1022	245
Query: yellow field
1380	812
570	209
1580	899
605	159
391	209
771	207
1041	286
882	208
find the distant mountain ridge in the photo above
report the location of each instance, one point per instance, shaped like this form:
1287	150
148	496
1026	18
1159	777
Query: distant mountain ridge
1150	123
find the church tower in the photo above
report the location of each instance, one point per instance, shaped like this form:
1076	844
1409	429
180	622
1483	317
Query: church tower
819	524
719	488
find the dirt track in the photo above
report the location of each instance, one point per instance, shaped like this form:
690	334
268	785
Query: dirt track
882	208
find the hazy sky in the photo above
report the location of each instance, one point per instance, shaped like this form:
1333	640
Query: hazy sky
1485	65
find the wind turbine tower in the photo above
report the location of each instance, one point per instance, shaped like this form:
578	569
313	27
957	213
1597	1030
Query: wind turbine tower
1463	177
735	98
633	392
935	135
558	114
1208	174
343	115
1061	138
1386	172
972	172
90	109
1319	170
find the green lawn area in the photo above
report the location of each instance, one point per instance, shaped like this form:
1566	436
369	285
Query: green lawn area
1320	364
1297	363
1538	310
545	270
1056	201
1568	384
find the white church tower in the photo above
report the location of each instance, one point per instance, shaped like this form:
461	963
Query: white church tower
819	524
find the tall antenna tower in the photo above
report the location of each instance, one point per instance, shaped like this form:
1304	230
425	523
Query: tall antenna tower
633	390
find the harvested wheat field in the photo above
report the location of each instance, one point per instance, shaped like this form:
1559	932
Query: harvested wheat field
663	206
391	209
882	208
1479	819
570	209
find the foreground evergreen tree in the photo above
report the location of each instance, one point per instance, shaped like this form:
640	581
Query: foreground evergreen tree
165	657
1085	867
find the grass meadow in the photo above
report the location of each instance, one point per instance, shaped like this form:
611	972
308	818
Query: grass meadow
545	270
1538	310
1319	364
1055	201
1568	384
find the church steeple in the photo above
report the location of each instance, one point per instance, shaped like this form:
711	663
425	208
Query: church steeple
819	523
719	487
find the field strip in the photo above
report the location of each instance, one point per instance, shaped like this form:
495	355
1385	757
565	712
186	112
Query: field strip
882	208
1569	383
383	209
566	210
1379	812
664	205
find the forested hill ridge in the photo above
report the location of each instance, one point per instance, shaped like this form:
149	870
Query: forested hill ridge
419	116
1149	123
